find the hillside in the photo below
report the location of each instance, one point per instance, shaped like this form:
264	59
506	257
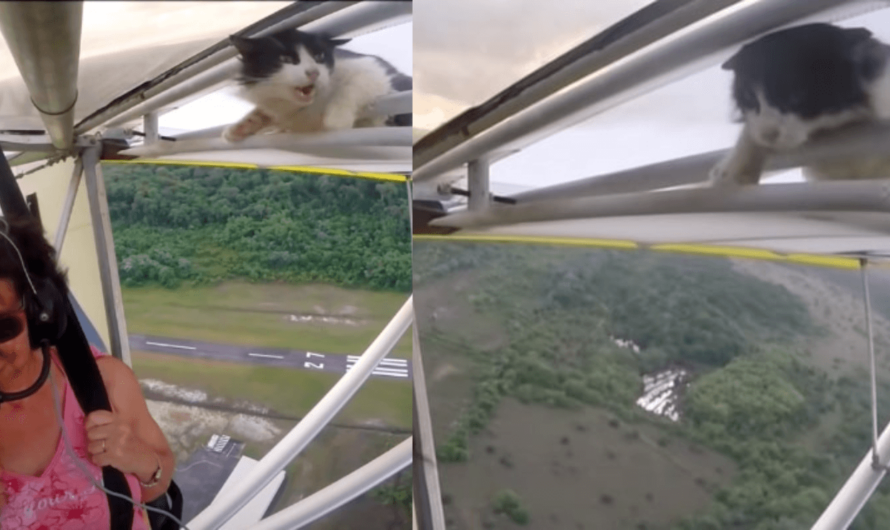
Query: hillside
534	397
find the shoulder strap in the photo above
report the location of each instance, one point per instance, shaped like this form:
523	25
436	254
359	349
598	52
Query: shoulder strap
87	386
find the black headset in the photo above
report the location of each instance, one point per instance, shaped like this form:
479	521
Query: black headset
46	321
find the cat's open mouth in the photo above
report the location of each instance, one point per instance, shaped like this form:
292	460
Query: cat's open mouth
305	93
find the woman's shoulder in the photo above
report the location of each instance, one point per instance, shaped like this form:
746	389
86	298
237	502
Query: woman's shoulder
97	353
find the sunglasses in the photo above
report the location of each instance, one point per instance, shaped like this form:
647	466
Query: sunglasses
11	326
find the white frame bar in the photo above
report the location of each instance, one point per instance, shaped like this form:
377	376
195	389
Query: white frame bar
857	490
819	196
423	430
478	185
68	205
338	18
698	46
225	506
111	286
362	137
328	499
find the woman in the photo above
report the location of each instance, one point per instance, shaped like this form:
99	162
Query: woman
41	484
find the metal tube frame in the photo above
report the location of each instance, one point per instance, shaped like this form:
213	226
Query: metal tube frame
693	48
426	476
820	196
225	506
330	498
111	287
478	185
68	205
44	40
360	137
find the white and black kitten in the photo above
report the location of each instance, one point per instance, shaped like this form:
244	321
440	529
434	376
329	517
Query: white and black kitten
794	83
302	82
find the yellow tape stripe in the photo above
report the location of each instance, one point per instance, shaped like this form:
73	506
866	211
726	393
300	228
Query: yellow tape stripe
720	251
735	252
565	241
293	169
343	173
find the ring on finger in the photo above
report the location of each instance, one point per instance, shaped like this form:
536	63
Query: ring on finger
103	445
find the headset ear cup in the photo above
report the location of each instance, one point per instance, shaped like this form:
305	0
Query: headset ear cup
46	321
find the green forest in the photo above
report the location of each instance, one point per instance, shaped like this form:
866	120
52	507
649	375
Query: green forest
754	396
194	224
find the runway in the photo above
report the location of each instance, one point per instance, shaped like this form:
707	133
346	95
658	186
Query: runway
391	368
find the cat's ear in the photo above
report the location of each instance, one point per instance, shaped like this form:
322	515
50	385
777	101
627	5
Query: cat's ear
731	63
244	45
857	35
339	42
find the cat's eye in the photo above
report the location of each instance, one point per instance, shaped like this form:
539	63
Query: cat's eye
319	56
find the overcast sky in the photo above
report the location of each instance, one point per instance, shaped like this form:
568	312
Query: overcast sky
468	50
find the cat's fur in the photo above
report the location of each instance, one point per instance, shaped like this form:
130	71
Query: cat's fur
798	82
302	82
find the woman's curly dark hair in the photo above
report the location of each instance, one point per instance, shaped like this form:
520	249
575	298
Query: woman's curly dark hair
38	254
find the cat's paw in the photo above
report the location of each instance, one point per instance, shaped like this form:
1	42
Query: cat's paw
339	120
731	171
233	135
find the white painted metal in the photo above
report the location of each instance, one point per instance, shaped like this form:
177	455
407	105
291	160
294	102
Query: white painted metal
478	185
309	427
330	498
111	287
44	39
362	137
859	196
857	490
423	430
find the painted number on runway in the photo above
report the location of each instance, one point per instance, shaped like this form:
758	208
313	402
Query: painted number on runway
310	364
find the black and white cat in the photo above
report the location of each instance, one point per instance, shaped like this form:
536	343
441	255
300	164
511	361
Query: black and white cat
798	82
302	82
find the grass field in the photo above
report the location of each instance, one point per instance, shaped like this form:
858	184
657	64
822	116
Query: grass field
259	315
285	391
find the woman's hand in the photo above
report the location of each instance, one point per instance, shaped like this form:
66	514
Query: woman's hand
113	442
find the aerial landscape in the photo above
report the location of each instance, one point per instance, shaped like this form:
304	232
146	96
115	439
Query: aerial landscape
248	293
587	388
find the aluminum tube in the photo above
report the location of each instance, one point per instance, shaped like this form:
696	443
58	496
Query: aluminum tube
224	65
108	273
323	502
370	136
222	509
694	48
819	196
44	39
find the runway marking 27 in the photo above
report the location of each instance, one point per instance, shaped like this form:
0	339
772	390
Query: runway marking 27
309	364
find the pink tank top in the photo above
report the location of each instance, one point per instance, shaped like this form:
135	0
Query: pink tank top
62	498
